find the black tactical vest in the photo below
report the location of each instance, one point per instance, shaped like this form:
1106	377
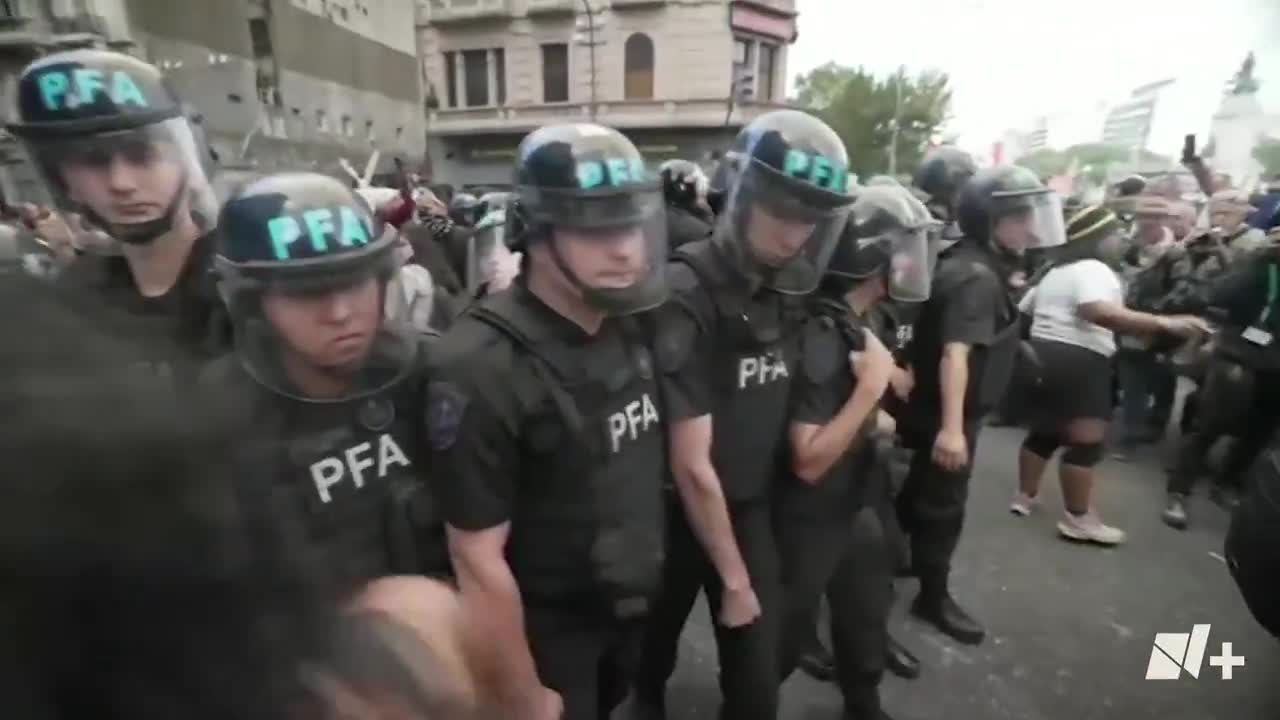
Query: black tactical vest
756	345
355	475
827	339
588	524
991	366
173	337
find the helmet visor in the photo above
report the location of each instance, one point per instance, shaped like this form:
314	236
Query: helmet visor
128	181
912	257
1027	221
323	336
620	267
785	230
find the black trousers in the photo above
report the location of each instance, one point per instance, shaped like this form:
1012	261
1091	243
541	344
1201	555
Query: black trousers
931	508
849	560
1217	417
748	655
587	657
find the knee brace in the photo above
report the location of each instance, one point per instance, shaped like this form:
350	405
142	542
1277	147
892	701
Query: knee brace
1042	445
1083	455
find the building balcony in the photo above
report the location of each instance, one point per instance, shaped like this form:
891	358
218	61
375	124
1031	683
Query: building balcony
444	12
628	114
627	4
551	7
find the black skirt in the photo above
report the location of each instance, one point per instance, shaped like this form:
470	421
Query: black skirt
1075	383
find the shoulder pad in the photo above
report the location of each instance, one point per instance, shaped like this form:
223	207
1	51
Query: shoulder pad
676	330
822	353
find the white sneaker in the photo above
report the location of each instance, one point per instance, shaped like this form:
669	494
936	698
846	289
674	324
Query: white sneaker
1088	528
1023	504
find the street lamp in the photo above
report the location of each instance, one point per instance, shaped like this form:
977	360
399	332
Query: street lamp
585	34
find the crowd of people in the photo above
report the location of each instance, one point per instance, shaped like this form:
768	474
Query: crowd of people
300	449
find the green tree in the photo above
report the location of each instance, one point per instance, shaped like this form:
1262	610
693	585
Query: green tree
1268	154
864	109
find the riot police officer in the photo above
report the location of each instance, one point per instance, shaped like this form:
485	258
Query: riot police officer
685	187
940	176
330	387
742	290
464	209
110	140
829	528
547	430
966	340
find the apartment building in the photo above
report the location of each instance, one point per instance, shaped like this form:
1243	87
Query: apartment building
679	77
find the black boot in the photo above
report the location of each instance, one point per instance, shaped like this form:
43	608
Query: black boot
817	663
900	661
937	607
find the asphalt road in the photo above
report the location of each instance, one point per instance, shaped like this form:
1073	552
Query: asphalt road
1070	627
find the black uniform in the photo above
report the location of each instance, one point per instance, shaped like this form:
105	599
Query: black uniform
971	303
830	537
831	531
739	371
353	468
69	118
559	433
686	226
174	334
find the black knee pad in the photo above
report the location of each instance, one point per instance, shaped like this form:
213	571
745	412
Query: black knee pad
1041	444
1084	455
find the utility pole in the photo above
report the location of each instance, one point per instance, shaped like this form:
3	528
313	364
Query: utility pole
590	41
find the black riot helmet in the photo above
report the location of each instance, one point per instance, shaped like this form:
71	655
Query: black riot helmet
1010	210
941	174
307	236
112	143
788	191
684	184
585	183
889	233
464	209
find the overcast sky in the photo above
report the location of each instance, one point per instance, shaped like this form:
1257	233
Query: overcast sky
1012	60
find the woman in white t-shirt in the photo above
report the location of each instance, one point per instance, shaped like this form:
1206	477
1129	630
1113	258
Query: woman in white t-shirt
1075	308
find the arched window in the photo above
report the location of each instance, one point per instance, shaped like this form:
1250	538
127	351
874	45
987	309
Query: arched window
638	60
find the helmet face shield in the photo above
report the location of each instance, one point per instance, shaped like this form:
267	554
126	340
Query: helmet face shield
911	262
131	184
344	321
308	276
786	230
1022	221
619	264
